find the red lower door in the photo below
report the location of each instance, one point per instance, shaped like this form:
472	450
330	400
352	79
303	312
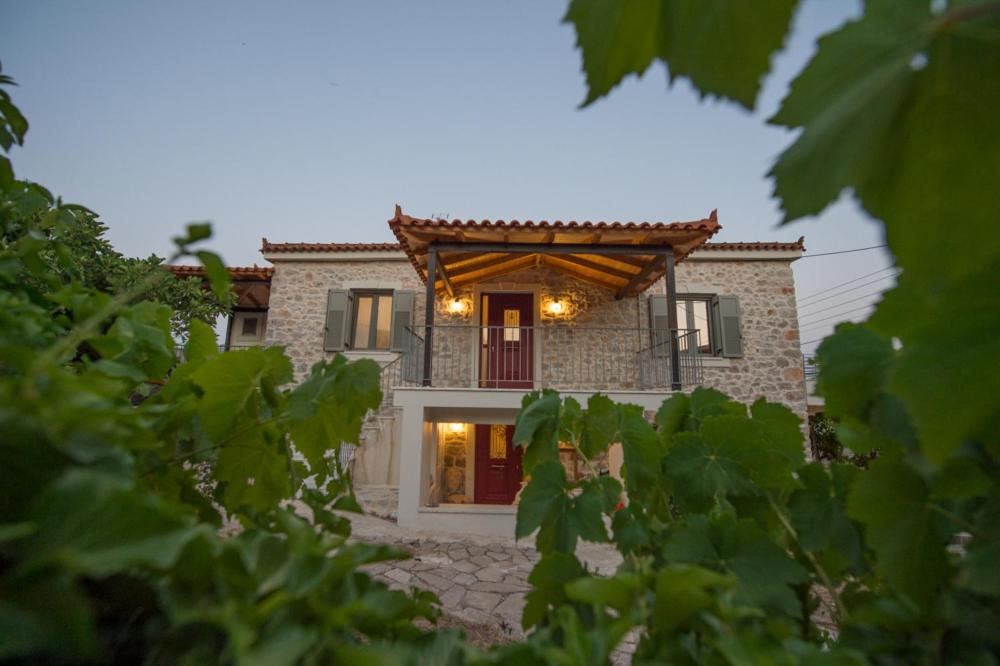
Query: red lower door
497	465
508	358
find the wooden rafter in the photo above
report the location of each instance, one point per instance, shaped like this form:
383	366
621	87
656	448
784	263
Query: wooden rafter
595	266
493	259
652	265
611	283
513	263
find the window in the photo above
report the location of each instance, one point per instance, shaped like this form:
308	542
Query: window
372	320
694	314
249	328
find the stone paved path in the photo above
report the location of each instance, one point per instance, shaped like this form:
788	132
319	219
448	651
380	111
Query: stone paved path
481	580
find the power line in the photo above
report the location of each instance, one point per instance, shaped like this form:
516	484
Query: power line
850	300
844	284
847	291
839	314
857	249
812	341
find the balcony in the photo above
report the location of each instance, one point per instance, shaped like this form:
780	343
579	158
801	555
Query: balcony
553	356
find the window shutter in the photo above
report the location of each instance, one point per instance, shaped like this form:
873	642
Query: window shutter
726	318
402	317
338	309
659	326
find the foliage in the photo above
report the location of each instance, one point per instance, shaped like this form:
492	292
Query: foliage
109	550
736	549
824	445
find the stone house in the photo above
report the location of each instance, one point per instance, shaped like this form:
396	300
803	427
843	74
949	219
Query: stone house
466	316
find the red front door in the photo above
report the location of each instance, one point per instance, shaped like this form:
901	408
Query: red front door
508	359
497	465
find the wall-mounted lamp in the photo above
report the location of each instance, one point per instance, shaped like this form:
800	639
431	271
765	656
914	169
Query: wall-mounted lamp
456	306
555	308
456	427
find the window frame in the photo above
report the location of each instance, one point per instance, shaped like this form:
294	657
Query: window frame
372	343
713	334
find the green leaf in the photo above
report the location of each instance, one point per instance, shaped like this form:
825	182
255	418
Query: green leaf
617	592
700	473
96	524
229	382
538	429
600	425
195	232
939	372
201	343
724	48
682	592
253	471
764	570
216	272
892	501
329	406
672	417
853	365
548	580
546	487
818	514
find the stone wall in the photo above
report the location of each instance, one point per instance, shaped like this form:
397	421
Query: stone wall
453	450
771	366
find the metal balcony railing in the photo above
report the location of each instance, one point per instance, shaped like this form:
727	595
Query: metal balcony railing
556	356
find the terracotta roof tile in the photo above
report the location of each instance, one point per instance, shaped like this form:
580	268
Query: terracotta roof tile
235	272
757	245
268	246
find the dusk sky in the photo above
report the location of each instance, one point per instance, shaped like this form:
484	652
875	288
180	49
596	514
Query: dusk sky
308	121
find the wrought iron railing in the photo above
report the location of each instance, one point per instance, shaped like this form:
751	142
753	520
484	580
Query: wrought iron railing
809	367
556	356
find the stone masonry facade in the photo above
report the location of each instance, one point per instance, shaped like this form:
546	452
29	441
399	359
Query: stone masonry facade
592	346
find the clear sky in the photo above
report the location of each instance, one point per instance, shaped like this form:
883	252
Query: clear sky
308	121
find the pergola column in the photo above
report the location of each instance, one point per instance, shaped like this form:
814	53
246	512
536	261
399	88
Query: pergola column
432	257
669	279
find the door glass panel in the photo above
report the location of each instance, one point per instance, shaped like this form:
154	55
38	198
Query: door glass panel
511	323
362	322
382	334
498	442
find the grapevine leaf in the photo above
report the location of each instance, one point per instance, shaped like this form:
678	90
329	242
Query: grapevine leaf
700	473
547	486
724	48
330	405
96	524
641	450
706	402
672	417
600	425
891	500
764	570
201	342
538	429
216	272
548	580
683	591
853	365
940	366
818	515
253	471
617	592
230	380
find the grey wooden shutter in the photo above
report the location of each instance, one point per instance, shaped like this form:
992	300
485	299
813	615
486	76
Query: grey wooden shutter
659	325
402	318
728	327
338	311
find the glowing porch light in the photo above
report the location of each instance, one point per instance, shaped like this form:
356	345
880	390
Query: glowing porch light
556	307
456	427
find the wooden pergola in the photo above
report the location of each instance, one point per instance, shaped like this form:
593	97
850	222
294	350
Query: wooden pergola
623	257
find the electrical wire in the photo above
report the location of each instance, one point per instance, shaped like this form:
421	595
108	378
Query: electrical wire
857	249
803	304
848	301
839	314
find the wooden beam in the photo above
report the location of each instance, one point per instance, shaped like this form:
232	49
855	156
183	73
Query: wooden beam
444	278
637	279
554	248
472	268
593	265
675	352
551	261
429	317
468	259
512	264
